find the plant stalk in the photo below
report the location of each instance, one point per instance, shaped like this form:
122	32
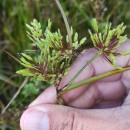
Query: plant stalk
91	80
89	62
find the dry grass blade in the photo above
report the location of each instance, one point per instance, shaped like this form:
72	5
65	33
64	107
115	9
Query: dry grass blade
15	95
65	20
11	56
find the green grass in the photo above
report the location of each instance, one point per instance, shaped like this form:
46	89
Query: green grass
14	14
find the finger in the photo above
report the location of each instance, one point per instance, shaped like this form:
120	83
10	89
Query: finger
126	78
100	92
126	81
55	117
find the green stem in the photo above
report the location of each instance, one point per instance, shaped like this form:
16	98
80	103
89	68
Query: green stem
89	62
91	80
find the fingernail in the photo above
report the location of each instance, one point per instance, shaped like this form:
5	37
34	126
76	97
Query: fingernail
33	119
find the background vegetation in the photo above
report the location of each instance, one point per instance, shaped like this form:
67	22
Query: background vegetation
14	14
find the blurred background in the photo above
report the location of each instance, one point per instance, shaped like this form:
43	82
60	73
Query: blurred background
14	14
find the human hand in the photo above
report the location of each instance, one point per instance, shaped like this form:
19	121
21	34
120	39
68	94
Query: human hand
85	104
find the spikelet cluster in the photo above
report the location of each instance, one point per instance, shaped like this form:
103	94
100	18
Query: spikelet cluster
107	42
53	57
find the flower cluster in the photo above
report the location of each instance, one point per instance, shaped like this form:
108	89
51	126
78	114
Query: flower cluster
107	42
53	56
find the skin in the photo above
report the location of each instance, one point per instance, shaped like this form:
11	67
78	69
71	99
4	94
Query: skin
103	105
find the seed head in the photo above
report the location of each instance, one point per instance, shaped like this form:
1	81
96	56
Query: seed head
107	42
53	58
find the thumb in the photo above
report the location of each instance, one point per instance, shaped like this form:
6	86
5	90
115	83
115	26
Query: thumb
56	117
49	117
